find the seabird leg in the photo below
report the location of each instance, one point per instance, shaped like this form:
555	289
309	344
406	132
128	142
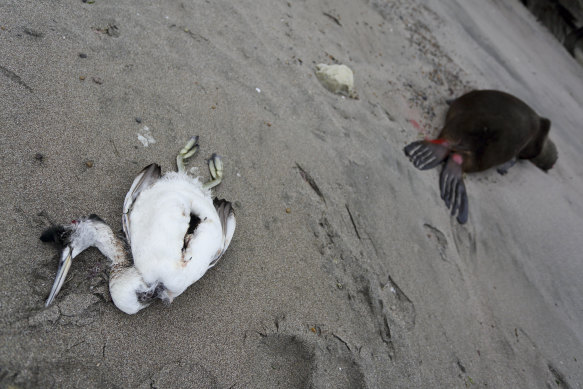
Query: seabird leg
187	151
216	168
73	239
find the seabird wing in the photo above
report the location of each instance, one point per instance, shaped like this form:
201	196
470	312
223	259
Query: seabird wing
212	234
147	177
227	217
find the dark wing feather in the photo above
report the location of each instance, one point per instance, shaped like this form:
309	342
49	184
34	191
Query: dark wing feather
147	177
225	210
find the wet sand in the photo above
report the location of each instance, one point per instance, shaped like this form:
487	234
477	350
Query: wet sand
366	281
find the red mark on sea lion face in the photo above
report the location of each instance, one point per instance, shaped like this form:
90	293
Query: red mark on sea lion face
457	158
74	221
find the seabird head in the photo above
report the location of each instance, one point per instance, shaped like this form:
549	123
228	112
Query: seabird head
73	239
128	290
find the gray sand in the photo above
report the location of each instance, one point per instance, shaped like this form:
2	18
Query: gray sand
372	284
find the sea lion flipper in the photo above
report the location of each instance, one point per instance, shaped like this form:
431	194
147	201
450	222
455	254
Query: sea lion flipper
426	154
452	188
462	201
503	169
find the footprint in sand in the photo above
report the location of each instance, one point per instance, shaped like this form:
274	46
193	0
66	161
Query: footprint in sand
439	238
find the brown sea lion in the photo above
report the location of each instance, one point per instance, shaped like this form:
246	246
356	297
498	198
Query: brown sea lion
483	129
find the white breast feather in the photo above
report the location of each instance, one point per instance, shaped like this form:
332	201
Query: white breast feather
159	221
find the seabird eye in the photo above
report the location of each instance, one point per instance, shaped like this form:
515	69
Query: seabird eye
145	297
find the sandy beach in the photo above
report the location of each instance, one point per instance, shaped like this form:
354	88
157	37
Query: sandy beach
346	269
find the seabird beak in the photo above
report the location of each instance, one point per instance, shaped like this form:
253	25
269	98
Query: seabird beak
64	266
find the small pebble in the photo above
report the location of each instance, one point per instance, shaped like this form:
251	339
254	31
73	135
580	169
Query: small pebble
213	107
97	80
89	164
138	120
39	157
82	55
82	78
288	210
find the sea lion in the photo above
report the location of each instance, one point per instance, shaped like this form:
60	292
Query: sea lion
483	129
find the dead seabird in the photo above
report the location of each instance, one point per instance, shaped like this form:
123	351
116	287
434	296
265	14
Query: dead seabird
174	233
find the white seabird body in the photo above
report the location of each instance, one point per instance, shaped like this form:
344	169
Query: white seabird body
174	229
159	221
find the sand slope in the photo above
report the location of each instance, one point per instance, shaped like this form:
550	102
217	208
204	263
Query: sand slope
367	281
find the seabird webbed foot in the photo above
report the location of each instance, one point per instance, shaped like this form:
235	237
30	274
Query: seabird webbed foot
427	154
503	169
216	169
187	151
452	188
